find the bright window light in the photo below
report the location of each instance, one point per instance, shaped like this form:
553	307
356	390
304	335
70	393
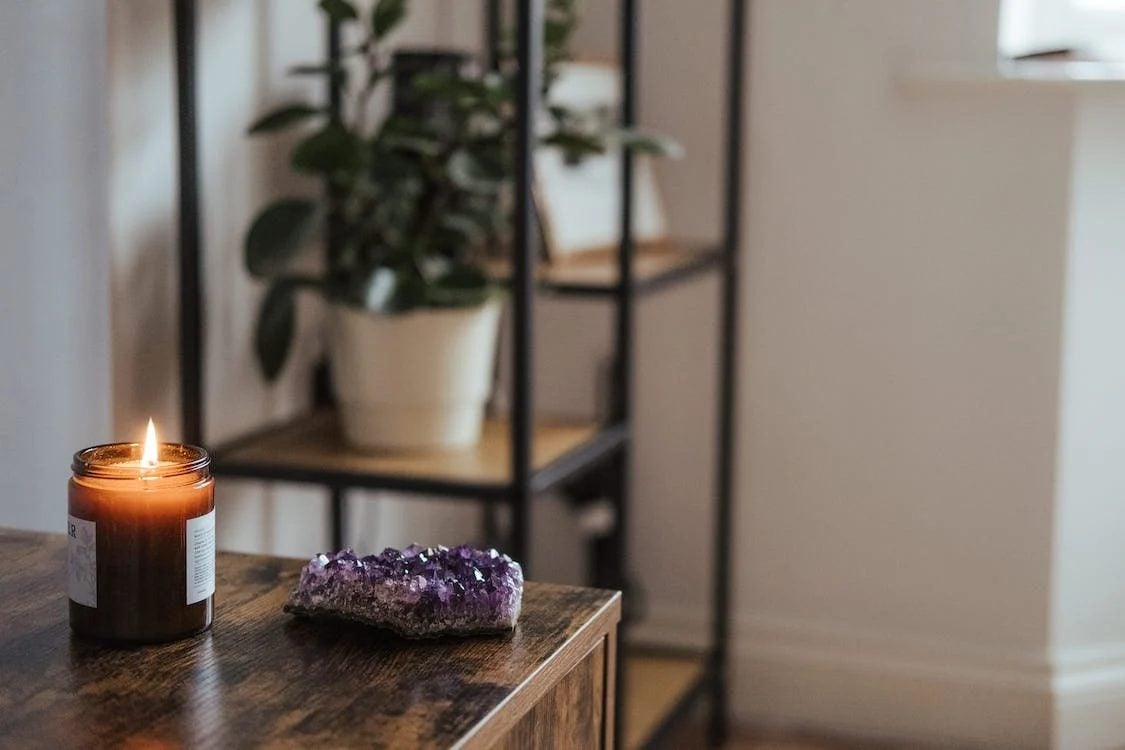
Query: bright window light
1028	26
1113	5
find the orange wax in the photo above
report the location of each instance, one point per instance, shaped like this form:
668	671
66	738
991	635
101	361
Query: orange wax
141	557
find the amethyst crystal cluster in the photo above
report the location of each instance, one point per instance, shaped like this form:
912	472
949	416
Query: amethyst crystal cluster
420	592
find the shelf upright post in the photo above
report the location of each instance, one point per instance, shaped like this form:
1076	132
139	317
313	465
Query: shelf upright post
492	28
728	362
336	494
528	82
625	291
623	336
190	261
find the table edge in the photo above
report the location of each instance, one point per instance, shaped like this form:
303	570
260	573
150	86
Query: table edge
497	722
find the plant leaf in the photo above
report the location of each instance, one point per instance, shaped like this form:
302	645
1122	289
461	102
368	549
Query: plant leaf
421	144
277	320
339	10
278	233
380	289
386	15
469	227
332	148
336	72
283	117
312	69
575	146
555	33
468	173
462	286
390	170
409	293
650	143
434	83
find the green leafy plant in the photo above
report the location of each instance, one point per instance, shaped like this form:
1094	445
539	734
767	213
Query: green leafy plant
412	202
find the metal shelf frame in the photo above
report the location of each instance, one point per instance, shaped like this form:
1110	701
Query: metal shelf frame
597	277
612	442
603	443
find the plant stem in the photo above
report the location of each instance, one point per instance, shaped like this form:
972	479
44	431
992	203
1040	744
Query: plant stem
363	100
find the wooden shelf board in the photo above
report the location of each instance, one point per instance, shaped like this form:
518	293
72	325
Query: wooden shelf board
598	271
314	444
655	682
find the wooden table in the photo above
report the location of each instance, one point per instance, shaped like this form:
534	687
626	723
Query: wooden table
261	677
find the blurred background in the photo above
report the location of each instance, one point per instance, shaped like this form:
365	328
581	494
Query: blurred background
930	453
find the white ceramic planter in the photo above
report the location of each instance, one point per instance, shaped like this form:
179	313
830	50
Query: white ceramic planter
413	381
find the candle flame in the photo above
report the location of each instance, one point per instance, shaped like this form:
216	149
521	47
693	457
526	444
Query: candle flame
150	454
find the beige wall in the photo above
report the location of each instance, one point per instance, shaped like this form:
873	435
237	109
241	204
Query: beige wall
923	265
54	256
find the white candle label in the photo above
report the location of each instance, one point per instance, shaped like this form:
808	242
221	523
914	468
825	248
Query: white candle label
82	561
200	557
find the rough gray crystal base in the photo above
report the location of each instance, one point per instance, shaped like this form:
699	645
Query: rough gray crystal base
417	592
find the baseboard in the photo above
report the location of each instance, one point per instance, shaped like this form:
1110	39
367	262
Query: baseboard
1091	722
1089	689
907	689
929	705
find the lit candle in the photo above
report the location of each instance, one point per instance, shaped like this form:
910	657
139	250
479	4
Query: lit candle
141	541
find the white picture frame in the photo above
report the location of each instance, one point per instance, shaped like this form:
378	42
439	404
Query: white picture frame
580	204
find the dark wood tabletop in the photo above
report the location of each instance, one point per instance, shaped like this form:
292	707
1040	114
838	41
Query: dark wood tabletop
261	677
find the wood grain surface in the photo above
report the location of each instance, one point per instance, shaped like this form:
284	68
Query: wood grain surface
262	678
316	443
569	715
599	270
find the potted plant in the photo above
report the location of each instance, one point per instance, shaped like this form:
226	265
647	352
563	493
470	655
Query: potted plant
411	205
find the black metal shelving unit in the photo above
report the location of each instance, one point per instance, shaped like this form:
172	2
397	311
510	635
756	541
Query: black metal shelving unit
518	458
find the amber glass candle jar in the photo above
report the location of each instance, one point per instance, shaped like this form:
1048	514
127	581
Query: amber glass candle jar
141	542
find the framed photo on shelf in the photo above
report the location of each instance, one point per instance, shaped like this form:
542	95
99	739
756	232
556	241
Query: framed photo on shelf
579	202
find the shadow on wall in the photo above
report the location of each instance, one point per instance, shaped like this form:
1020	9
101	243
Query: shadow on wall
142	216
142	297
243	50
